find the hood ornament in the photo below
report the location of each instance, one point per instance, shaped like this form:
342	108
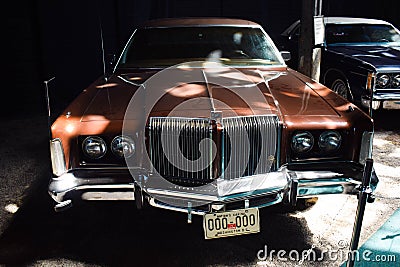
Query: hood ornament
216	116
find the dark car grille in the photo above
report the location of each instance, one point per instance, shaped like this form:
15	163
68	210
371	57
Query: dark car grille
246	146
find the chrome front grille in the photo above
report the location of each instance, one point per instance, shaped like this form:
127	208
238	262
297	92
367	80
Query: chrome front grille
249	145
189	151
181	149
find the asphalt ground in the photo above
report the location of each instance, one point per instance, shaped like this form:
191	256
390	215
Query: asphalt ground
116	234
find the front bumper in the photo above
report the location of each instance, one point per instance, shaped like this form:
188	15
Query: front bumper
385	100
285	185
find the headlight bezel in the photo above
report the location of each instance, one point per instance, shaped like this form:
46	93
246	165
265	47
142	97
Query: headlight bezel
94	139
298	135
392	80
323	144
396	81
123	138
383	80
316	153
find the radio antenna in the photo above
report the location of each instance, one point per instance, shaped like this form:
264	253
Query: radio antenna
46	85
102	44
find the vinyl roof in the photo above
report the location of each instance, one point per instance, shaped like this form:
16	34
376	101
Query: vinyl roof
351	20
339	20
200	21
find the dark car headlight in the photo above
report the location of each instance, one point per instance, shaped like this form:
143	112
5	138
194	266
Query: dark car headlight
123	146
329	141
302	142
94	147
396	81
383	80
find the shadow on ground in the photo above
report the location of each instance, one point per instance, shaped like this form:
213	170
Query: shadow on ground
387	120
116	234
119	235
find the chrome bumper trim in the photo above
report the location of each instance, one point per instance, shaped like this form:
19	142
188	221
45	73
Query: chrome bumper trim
382	96
108	196
160	205
181	195
273	187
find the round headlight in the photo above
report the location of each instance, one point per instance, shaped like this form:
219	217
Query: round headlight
94	147
302	142
123	146
396	81
329	141
383	80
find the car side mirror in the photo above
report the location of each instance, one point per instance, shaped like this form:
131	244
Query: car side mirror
286	55
110	61
322	45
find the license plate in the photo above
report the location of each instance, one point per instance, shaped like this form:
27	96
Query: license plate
391	104
231	223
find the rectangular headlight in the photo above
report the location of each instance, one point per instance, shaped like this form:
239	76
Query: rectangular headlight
366	146
57	157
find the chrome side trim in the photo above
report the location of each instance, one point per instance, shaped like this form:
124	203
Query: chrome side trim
108	196
366	146
57	157
103	187
178	194
385	96
161	205
157	204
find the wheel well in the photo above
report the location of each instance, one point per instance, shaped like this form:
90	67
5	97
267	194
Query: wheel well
331	75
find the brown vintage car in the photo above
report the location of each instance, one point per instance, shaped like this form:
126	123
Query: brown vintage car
202	116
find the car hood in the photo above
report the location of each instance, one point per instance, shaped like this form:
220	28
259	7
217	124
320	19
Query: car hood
379	56
238	92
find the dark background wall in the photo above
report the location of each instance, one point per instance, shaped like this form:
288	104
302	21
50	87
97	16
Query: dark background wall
62	39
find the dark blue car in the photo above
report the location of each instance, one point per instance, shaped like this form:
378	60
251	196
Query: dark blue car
360	58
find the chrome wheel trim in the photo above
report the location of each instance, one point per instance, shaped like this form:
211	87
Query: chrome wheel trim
340	87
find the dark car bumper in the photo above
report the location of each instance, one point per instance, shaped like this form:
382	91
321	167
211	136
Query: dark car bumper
384	100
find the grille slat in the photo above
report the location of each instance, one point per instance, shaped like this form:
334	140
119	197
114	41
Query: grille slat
175	150
250	145
181	149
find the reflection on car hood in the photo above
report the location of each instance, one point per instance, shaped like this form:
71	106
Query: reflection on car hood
234	93
379	56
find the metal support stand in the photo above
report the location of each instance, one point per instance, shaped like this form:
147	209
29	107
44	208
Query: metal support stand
363	196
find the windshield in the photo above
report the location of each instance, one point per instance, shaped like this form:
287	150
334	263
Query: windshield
240	46
362	34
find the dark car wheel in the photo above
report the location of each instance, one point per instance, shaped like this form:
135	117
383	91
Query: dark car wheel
340	87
